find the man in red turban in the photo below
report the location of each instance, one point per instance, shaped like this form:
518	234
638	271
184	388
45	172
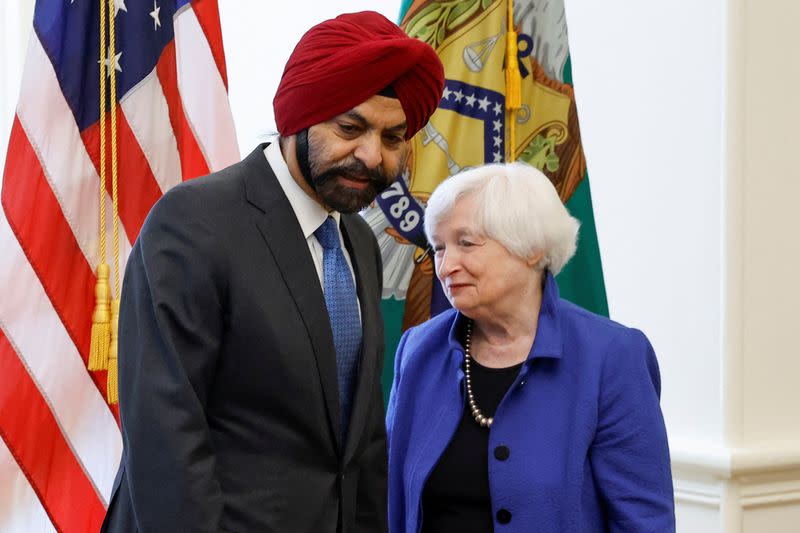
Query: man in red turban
342	69
250	333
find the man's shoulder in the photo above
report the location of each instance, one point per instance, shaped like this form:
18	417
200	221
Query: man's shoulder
207	203
204	196
214	185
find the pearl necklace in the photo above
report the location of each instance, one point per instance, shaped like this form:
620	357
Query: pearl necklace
483	421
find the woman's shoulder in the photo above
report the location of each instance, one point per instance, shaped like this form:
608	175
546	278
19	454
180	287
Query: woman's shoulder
599	334
435	328
621	358
574	316
420	342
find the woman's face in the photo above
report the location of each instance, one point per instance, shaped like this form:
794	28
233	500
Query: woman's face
478	275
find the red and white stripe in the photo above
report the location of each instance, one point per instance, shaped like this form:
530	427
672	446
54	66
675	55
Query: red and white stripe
59	441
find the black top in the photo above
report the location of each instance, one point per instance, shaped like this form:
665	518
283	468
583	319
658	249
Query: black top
456	496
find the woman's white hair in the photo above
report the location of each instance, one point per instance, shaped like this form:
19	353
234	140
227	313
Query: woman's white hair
517	206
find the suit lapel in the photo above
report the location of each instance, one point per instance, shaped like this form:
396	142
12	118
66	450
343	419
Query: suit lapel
362	258
278	225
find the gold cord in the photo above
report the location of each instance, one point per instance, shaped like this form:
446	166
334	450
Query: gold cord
113	395
101	317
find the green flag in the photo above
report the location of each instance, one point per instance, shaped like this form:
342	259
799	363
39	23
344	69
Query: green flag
470	128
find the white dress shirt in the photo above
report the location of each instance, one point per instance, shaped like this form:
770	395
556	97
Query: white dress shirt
310	214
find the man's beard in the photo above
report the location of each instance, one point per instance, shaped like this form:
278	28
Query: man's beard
342	198
335	194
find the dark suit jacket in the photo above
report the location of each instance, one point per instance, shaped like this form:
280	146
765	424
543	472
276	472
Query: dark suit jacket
228	389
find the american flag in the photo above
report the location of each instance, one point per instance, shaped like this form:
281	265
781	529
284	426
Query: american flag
59	440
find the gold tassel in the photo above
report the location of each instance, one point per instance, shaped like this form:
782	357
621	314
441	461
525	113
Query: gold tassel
101	321
113	361
513	83
513	76
113	371
101	317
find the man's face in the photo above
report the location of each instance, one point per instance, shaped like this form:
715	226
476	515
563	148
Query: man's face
356	155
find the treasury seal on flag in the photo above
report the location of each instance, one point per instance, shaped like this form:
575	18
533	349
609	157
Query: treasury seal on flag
471	127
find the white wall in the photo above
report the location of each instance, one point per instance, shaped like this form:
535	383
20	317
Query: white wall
648	84
16	19
689	114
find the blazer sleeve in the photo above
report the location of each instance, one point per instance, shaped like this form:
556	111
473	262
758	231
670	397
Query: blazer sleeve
397	507
630	455
391	409
372	487
169	338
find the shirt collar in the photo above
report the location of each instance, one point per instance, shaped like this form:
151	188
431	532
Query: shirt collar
548	341
310	214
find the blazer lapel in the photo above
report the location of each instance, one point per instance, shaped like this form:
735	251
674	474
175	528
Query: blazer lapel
278	225
362	258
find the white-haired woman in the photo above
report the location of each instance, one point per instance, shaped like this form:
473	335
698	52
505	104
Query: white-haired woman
519	411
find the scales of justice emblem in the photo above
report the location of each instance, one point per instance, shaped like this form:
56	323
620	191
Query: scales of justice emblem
469	128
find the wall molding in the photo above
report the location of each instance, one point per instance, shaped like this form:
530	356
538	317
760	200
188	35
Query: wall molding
770	493
730	463
763	477
698	493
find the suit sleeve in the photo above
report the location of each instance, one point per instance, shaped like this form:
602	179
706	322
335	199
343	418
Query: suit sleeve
372	487
169	338
630	455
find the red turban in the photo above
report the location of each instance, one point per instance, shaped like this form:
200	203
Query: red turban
340	63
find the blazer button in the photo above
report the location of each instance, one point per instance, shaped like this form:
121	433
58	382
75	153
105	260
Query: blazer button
501	453
521	384
504	516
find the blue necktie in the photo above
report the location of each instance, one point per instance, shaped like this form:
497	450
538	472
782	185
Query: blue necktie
342	304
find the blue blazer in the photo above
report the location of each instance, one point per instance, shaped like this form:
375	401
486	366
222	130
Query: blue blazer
588	447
